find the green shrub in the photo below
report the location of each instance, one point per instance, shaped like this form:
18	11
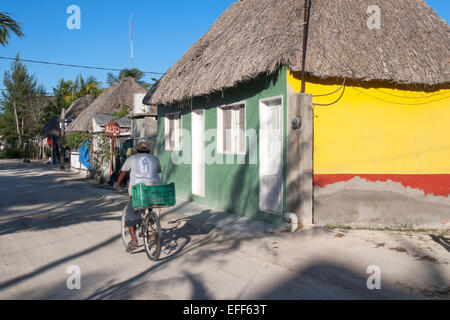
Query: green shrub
12	153
76	139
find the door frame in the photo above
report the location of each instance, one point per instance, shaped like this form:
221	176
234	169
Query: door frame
261	101
202	193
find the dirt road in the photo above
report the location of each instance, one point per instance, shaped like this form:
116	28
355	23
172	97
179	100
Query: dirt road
50	221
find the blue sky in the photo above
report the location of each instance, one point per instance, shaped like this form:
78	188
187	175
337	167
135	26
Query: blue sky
163	31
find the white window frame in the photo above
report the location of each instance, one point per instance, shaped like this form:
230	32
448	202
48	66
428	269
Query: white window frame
178	137
220	129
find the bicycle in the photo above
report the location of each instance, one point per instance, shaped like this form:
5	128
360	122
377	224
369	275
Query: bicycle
145	199
149	229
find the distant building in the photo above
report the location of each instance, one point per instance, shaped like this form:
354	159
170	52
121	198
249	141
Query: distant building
116	99
144	124
52	129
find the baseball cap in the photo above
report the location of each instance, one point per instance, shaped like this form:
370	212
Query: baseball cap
143	146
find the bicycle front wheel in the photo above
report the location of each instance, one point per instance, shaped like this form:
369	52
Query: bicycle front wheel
152	235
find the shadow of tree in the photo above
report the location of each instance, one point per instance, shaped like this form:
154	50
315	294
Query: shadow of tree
192	243
61	215
56	263
315	280
443	241
36	199
330	281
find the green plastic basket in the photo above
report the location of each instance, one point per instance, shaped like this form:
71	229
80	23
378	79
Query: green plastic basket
147	196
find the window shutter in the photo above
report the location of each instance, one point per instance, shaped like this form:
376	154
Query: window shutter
178	131
242	129
167	131
235	129
227	130
171	132
219	137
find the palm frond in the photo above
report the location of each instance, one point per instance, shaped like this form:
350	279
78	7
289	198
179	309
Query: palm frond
7	24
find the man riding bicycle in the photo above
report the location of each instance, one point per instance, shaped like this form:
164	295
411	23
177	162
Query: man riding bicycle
144	168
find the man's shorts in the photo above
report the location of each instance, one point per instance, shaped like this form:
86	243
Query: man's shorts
132	217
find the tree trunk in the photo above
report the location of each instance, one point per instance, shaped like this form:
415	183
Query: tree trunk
17	125
61	143
23	142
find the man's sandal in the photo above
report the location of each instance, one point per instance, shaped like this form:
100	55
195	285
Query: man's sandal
131	246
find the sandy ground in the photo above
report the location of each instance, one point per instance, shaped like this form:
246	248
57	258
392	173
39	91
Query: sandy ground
51	220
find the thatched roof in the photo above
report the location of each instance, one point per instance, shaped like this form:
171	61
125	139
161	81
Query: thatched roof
110	101
258	36
103	119
51	128
78	106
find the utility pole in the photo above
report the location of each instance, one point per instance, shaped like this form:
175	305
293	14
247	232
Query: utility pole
131	38
306	10
303	124
62	155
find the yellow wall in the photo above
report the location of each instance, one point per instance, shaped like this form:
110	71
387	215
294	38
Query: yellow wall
379	130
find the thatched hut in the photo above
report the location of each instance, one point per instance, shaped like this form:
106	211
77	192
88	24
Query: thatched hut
118	98
376	113
78	107
53	126
52	129
114	99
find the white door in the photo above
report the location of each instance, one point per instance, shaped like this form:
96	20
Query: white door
198	153
271	155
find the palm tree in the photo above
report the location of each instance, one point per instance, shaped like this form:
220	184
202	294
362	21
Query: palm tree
133	72
64	92
7	24
87	86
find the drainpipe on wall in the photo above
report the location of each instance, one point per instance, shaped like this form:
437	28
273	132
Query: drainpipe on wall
292	219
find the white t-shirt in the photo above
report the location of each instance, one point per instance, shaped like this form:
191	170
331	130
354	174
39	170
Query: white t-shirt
143	168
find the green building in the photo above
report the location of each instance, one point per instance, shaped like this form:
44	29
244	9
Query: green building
236	133
211	147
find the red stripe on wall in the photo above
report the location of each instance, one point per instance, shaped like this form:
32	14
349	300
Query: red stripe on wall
437	184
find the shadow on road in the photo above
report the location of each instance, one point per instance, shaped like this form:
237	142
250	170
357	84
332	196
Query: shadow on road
36	198
188	246
56	263
443	241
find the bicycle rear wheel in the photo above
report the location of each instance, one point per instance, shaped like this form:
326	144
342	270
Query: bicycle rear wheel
152	235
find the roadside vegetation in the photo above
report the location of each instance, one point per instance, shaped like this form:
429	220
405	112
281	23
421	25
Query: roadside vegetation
25	106
399	228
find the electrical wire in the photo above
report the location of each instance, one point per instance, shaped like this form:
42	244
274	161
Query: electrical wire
427	97
400	103
73	65
329	94
329	104
342	63
47	93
